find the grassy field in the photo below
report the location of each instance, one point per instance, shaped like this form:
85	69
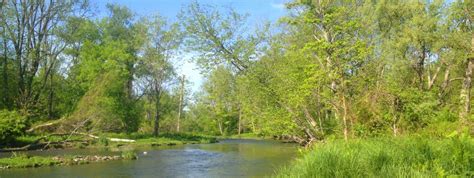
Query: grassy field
386	157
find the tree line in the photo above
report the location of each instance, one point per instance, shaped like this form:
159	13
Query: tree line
61	63
338	69
326	69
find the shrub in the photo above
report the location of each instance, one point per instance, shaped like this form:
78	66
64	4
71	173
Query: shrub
103	141
129	155
12	124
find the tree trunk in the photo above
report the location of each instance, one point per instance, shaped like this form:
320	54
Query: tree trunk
420	67
219	123
318	104
181	98
465	113
156	126
342	92
6	98
394	126
444	86
432	79
240	121
299	122
344	117
50	97
129	89
396	108
310	120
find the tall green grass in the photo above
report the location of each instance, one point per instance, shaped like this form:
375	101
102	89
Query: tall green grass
129	155
387	157
21	160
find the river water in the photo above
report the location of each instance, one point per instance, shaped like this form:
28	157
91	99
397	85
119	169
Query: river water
228	158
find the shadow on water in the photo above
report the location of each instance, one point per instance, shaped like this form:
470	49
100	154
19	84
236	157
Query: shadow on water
228	158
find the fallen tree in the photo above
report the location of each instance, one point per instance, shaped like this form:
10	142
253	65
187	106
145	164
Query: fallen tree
45	126
110	139
38	144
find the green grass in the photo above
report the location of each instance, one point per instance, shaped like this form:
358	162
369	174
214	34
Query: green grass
386	157
21	160
24	161
129	155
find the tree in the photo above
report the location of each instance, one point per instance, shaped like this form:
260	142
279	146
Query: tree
181	102
109	55
221	42
220	38
156	68
30	37
220	98
338	48
461	18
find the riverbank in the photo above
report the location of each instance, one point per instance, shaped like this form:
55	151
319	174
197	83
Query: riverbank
245	136
103	141
386	157
144	140
253	136
21	160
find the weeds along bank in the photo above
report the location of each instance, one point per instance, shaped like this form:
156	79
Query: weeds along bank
414	156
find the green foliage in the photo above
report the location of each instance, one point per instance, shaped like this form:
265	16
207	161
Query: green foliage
360	69
129	155
103	141
19	160
328	69
12	124
220	38
104	73
387	157
104	108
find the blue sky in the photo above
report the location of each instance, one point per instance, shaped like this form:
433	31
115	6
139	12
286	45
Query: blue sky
258	10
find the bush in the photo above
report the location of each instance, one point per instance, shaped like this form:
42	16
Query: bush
129	155
389	157
12	125
103	141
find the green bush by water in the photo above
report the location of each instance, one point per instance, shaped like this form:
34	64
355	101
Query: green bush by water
12	124
129	155
387	157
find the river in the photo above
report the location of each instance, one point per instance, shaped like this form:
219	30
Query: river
228	158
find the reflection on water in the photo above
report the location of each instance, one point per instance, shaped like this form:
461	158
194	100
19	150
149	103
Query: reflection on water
229	158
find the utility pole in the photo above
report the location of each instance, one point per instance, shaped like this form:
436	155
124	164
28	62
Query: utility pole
181	101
